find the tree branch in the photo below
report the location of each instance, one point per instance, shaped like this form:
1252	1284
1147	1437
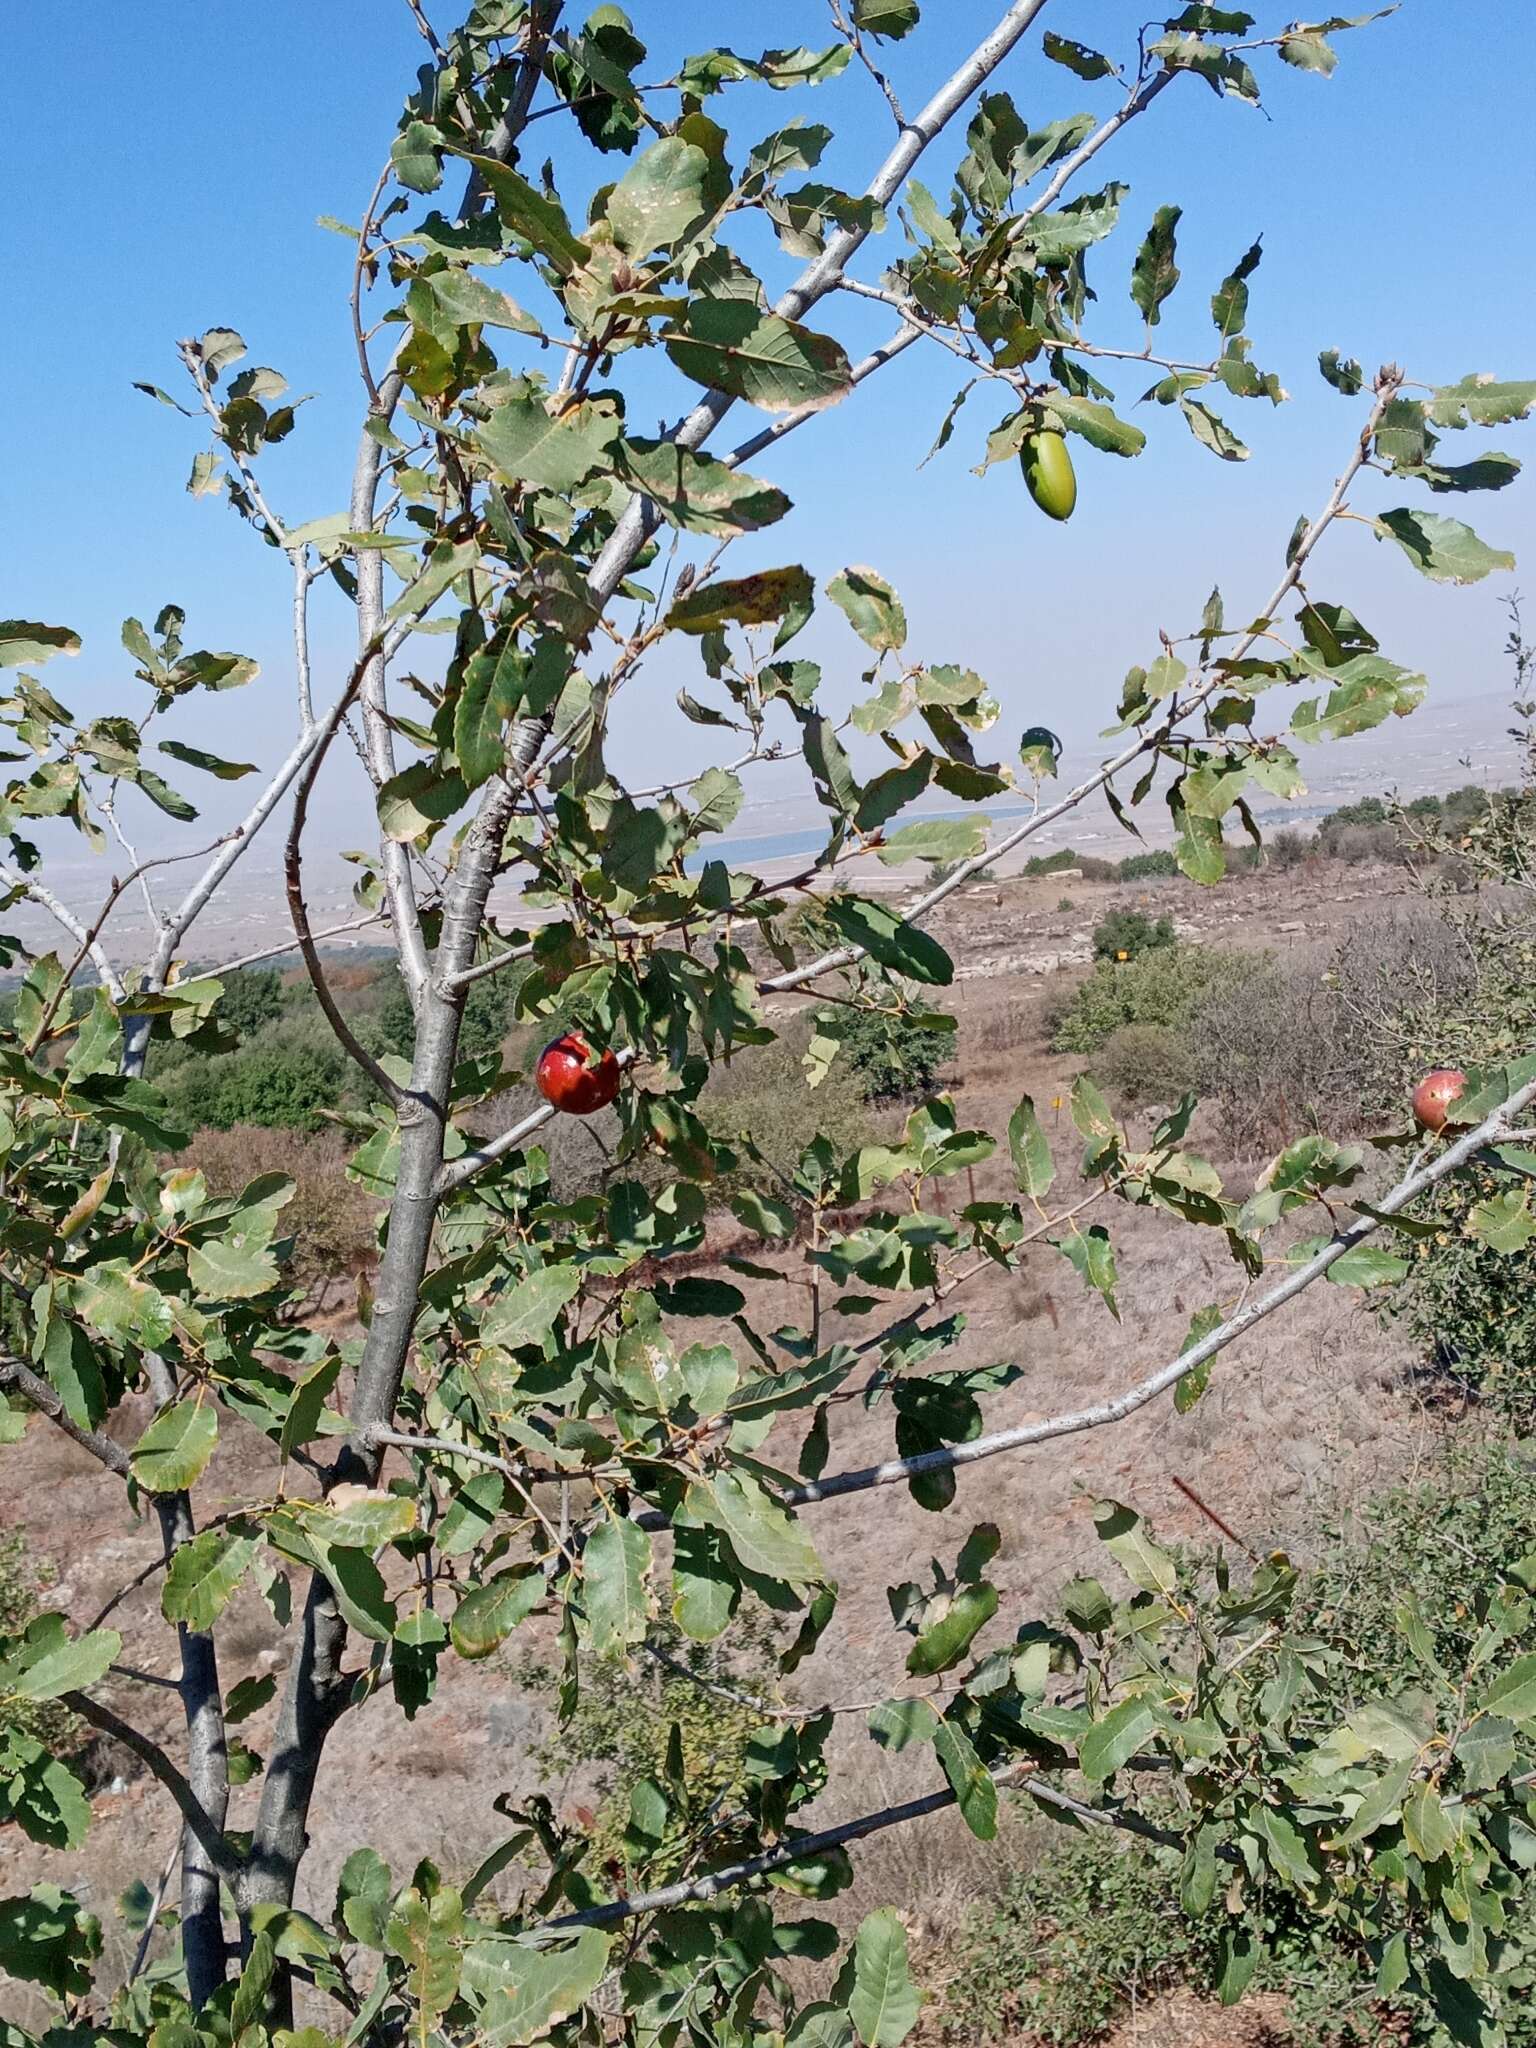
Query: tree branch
1493	1128
42	1397
847	956
208	1837
713	1882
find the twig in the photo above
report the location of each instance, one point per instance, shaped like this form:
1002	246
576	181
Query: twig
107	1450
160	1766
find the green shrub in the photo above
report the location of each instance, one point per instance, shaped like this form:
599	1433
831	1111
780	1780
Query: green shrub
1065	1947
1143	1063
1051	863
1162	987
631	1710
277	1087
1127	934
1094	1923
1146	867
764	1094
253	996
894	1058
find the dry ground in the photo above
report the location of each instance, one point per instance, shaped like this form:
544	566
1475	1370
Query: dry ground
1310	1409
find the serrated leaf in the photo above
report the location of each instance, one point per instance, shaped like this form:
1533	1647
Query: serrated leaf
1444	550
729	345
526	443
662	195
1211	432
529	1310
203	1574
173	1452
870	606
1155	273
697	492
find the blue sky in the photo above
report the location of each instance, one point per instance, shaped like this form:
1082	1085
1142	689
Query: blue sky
167	163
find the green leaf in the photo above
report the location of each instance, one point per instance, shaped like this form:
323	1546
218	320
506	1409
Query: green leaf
211	764
1211	432
1229	303
173	1452
1479	401
359	1519
614	1567
662	195
1033	1168
717	798
485	1617
542	1987
530	1308
526	443
1077	57
22	642
539	221
230	1269
704	1587
745	600
1504	1222
1155	272
697	492
946	1642
1513	1692
467	301
891	940
425	1934
1100	427
765	1538
1112	1741
491	692
1442	549
1092	1253
161	794
363	1892
729	345
203	1575
899	1724
871	607
973	1785
301	1425
1124	1535
884	2004
934	839
1239	1959
414	155
48	1661
892	18
1189	1389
